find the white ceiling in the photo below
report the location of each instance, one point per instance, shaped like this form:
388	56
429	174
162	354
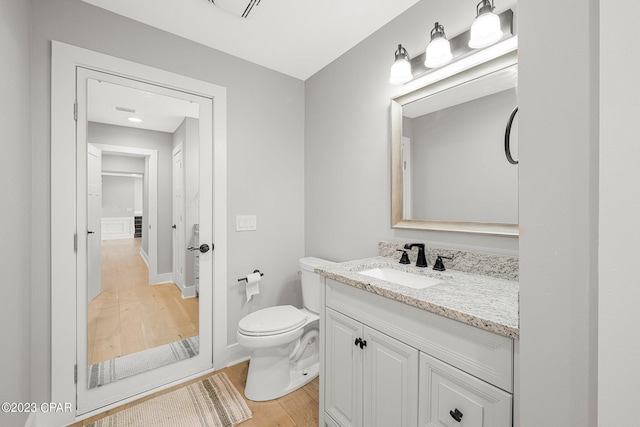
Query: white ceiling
295	37
107	103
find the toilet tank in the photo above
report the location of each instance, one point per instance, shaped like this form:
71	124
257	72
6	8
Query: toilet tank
311	282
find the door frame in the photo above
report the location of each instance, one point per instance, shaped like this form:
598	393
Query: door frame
150	156
64	63
179	232
94	250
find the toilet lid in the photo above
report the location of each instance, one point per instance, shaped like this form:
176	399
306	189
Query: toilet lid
272	320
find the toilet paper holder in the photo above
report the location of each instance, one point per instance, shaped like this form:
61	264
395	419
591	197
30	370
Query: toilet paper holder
255	271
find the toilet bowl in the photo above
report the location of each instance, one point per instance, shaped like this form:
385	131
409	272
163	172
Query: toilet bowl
283	341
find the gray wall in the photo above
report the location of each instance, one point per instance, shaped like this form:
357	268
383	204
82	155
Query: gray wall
559	214
347	149
15	182
100	133
118	196
619	234
265	154
124	164
460	173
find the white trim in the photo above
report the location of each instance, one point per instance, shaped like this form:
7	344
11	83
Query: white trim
31	420
237	354
189	292
65	60
117	228
144	256
163	278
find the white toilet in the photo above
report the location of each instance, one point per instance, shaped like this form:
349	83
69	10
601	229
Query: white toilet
284	341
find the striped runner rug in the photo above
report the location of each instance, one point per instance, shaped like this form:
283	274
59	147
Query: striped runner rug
132	364
212	402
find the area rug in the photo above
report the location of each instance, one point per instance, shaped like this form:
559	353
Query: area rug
122	367
212	402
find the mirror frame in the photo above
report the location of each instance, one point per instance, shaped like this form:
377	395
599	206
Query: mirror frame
397	219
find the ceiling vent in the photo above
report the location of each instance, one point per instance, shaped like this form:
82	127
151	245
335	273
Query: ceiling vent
242	8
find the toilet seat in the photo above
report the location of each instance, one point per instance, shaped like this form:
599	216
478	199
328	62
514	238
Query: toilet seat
272	321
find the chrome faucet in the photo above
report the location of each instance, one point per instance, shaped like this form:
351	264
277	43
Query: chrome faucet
422	259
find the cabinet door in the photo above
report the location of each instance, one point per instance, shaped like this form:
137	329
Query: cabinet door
450	397
390	382
343	370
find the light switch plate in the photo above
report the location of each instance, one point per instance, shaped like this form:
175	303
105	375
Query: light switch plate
245	222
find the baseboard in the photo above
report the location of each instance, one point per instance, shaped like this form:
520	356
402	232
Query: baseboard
236	354
144	256
162	278
189	292
31	420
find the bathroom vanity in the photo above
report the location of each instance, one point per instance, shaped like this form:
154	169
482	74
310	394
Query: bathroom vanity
437	354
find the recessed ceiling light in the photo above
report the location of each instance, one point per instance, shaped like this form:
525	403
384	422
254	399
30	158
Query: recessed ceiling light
135	119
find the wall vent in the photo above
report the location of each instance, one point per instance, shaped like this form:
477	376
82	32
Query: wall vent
242	8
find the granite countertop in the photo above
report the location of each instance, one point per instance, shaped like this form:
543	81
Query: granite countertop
481	301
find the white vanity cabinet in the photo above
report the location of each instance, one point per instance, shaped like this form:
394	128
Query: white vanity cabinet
372	378
449	396
385	363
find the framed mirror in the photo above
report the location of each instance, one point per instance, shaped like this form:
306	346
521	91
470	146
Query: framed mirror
143	196
449	170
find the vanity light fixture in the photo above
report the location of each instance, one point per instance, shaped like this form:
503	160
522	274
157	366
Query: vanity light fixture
438	51
401	68
485	30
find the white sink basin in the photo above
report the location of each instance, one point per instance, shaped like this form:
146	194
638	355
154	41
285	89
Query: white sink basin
403	278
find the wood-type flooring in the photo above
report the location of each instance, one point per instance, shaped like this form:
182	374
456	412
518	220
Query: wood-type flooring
130	315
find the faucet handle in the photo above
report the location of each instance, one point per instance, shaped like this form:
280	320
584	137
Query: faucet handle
439	265
405	258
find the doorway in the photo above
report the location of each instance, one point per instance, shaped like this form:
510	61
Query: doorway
70	292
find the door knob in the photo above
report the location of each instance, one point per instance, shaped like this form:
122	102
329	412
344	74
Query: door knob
203	248
173	226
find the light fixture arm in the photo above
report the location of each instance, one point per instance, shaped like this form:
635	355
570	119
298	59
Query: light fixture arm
484	6
400	52
438	31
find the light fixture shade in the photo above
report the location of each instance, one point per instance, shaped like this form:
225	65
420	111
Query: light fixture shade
401	69
486	29
438	50
438	53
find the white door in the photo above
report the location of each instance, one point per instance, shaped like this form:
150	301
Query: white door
390	382
178	219
343	389
94	222
91	399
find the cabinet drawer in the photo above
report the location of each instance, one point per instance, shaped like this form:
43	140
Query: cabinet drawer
480	353
450	397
